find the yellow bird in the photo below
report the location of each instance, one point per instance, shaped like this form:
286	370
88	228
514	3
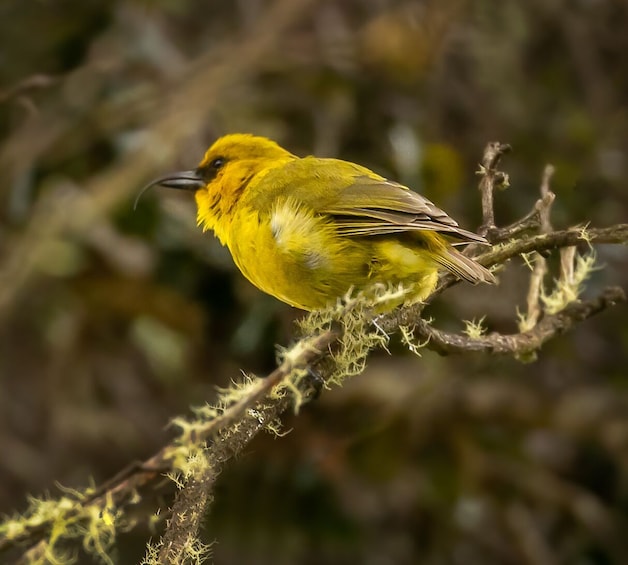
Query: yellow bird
306	230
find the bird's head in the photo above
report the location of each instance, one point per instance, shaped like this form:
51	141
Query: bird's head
224	174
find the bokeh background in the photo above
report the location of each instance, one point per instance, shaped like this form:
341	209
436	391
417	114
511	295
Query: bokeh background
114	320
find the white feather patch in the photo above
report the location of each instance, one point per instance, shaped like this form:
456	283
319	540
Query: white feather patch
298	232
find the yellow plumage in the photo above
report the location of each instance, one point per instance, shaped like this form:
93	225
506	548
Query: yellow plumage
305	230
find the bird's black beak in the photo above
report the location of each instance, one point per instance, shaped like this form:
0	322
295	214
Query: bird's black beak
182	180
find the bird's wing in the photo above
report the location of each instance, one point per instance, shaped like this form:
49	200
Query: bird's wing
357	200
376	206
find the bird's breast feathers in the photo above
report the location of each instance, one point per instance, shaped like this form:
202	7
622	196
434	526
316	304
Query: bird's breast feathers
290	251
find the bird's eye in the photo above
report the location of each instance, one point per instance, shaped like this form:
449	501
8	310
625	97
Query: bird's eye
217	163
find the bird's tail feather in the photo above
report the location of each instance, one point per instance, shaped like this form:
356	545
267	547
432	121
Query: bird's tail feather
464	267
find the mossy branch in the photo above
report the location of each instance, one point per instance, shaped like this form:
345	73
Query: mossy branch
523	343
498	255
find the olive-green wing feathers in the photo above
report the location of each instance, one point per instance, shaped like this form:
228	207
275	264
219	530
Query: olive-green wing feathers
373	206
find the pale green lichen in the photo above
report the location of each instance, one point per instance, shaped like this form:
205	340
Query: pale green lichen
525	321
192	552
67	518
407	338
361	333
528	259
569	287
586	236
473	329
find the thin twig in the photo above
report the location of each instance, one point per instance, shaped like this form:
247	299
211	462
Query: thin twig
500	254
528	222
491	178
521	343
188	512
539	270
555	240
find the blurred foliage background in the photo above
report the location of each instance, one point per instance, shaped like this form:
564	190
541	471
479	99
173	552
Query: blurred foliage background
112	321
